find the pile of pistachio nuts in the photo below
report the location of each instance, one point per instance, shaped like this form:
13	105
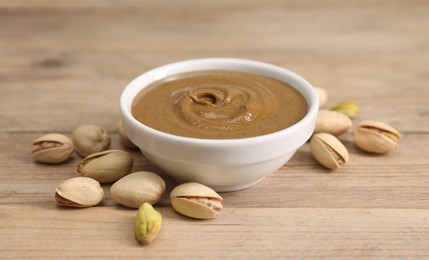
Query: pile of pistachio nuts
142	189
139	190
369	135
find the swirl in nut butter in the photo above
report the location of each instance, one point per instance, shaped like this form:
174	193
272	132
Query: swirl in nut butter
219	104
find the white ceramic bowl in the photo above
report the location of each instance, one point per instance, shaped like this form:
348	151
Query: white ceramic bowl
223	164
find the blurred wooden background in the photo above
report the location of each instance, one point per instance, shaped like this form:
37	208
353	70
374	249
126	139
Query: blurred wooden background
65	63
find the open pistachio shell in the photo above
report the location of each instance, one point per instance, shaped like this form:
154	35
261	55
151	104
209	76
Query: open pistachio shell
196	200
106	166
137	188
328	150
79	192
52	148
376	137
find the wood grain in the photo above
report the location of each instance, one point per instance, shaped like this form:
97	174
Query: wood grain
65	63
106	232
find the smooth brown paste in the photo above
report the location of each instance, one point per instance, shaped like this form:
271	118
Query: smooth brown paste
219	104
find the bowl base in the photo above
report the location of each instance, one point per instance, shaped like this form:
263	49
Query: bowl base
222	178
230	188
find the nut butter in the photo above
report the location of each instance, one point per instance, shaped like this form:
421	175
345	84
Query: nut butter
219	104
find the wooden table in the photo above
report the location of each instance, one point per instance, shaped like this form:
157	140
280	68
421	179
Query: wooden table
65	63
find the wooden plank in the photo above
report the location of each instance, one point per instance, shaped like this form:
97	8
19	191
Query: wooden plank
106	232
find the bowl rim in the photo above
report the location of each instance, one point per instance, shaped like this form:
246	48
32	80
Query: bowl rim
160	72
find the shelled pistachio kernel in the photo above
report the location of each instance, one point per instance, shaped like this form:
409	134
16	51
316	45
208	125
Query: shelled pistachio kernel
79	192
376	137
147	225
136	188
89	139
52	148
348	108
196	201
107	166
328	151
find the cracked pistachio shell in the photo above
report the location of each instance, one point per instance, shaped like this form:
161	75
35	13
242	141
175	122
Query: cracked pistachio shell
332	122
137	188
328	150
376	137
147	225
348	108
89	139
123	136
52	148
106	166
196	201
79	192
322	94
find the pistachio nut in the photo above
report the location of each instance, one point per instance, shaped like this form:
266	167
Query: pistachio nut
147	225
376	137
124	137
79	192
106	166
196	200
89	139
137	188
322	94
332	122
348	108
52	148
328	150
